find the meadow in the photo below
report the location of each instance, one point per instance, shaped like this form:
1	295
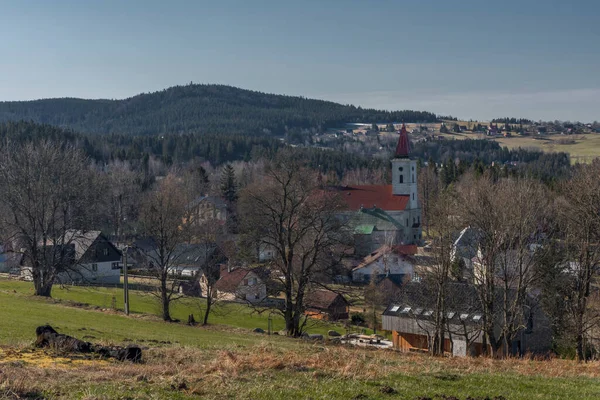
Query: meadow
223	361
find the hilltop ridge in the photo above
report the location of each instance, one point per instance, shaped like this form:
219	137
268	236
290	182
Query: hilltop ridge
199	108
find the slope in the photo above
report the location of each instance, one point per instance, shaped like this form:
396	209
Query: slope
198	108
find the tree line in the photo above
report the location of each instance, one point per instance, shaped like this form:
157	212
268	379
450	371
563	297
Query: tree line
201	109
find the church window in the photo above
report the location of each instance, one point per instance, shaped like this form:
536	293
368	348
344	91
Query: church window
413	178
400	169
413	196
406	221
401	178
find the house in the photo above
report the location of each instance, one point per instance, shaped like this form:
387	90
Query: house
393	261
208	208
326	304
186	259
238	284
92	258
410	319
10	260
378	213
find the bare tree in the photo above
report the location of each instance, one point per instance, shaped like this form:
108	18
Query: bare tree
165	221
429	189
47	195
580	224
288	213
511	221
123	192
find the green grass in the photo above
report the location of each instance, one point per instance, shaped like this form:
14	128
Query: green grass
222	362
230	314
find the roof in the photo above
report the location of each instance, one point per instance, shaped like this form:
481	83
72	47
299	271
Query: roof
364	229
81	240
416	301
323	299
367	220
401	250
371	196
215	200
230	279
403	147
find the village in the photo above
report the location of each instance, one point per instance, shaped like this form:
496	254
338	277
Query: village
365	264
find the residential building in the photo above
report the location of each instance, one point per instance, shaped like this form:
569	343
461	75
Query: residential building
386	261
91	259
238	284
326	304
411	320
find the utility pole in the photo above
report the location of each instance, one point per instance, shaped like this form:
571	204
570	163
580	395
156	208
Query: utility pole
125	282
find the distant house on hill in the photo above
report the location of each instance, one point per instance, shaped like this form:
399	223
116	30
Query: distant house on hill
90	258
326	304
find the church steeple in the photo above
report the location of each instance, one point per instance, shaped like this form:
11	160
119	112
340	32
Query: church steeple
403	147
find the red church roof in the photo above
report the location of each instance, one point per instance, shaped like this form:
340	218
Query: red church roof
403	147
369	196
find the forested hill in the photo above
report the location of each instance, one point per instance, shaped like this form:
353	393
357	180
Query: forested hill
213	109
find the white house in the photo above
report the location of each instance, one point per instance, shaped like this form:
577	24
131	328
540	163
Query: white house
93	259
394	261
238	285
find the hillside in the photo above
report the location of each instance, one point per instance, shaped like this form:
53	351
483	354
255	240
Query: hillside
198	108
183	362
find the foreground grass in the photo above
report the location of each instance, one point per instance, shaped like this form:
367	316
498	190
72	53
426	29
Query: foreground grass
218	362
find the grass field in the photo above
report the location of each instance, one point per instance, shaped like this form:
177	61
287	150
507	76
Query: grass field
222	362
230	314
583	149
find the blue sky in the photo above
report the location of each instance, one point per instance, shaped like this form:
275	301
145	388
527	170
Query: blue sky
472	59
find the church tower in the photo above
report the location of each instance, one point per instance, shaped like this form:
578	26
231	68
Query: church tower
404	172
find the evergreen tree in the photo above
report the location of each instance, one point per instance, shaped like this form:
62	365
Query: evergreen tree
229	184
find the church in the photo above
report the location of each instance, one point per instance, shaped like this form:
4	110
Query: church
386	214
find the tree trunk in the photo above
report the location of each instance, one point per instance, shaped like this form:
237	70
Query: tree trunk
41	286
208	305
580	354
165	301
44	290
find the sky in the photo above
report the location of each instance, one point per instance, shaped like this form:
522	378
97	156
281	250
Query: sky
471	59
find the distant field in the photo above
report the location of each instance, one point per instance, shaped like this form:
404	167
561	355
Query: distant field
230	363
583	147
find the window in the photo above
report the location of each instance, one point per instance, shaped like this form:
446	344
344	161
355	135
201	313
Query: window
476	317
405	310
95	267
413	178
115	265
428	313
413	196
105	252
395	308
463	316
401	178
400	169
406	221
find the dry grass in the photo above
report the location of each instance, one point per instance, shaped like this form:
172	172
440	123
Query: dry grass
193	372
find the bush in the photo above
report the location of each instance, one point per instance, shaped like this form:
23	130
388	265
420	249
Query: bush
357	319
